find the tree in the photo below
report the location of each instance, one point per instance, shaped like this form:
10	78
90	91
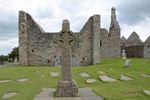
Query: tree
3	58
14	53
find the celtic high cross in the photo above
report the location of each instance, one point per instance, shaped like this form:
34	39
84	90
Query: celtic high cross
66	39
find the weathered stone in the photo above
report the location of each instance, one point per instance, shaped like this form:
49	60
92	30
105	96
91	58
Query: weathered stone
8	95
125	78
66	87
127	63
90	80
145	75
86	94
147	92
37	47
54	74
107	79
147	48
22	80
85	74
3	81
123	54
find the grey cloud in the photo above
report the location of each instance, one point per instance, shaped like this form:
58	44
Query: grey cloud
8	25
132	12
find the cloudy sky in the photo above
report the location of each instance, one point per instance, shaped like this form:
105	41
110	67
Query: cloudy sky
132	15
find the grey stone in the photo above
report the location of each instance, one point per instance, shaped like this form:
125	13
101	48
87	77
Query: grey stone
90	80
107	79
86	94
3	81
123	54
8	95
145	75
37	47
69	98
66	40
125	78
127	63
85	74
147	92
22	80
54	74
85	89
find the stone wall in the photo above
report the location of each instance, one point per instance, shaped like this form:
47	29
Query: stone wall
146	53
134	51
37	47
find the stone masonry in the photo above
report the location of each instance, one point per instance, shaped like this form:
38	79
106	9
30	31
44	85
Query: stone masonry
66	40
37	47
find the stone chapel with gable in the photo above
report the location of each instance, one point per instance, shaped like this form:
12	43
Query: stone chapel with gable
37	47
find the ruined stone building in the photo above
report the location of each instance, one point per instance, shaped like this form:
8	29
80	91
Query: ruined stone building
37	47
134	47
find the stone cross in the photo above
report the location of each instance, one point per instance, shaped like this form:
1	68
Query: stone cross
123	54
66	39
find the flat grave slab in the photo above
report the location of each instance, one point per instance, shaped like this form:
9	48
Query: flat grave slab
54	74
4	81
8	95
147	92
22	80
107	78
125	78
84	74
145	75
90	80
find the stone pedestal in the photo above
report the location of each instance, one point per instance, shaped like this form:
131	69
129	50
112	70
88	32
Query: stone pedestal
67	89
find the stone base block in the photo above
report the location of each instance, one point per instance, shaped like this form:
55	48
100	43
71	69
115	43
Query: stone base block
67	89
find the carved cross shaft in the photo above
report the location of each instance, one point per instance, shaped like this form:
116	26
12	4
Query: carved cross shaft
65	41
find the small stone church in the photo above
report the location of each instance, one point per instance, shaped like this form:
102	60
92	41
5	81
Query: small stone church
37	47
135	47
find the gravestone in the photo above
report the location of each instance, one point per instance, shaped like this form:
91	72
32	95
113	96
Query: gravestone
127	63
123	54
66	86
107	78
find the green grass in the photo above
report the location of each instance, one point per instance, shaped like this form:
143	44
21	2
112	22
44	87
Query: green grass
120	90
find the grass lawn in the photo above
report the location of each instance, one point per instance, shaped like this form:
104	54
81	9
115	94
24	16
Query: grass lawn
120	90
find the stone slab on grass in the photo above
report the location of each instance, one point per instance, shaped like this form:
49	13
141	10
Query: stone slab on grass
107	78
145	75
85	74
90	80
8	95
54	74
147	92
4	81
22	80
125	78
